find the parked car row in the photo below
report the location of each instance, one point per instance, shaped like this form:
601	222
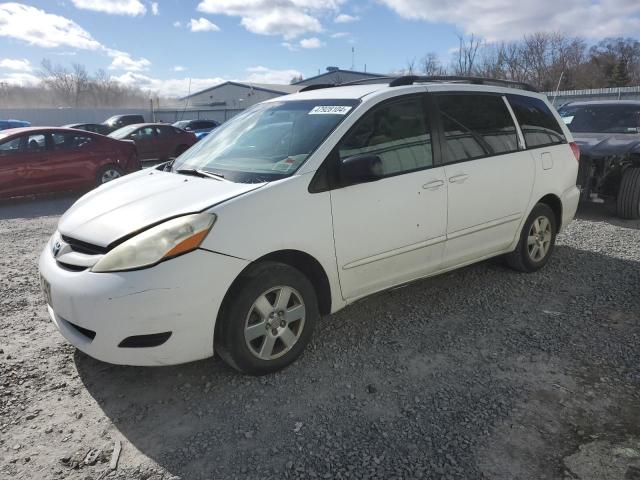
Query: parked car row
36	160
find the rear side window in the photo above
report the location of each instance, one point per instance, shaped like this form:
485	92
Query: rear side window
539	126
398	133
476	126
69	141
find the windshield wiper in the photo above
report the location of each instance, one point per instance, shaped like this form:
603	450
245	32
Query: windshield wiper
196	172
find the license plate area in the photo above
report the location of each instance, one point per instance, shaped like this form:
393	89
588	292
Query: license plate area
46	290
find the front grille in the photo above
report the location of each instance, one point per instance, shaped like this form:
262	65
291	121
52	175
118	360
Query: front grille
84	247
73	268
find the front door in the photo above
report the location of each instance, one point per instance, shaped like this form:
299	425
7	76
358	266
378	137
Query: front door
390	231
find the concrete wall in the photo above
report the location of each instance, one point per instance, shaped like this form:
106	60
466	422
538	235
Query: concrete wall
232	96
55	117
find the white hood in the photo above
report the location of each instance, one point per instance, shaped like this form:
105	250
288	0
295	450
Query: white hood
141	199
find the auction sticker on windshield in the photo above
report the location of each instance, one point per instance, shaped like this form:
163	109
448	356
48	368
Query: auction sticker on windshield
330	110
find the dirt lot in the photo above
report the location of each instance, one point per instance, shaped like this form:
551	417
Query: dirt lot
480	373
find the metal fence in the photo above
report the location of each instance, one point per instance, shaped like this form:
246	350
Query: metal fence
618	93
55	117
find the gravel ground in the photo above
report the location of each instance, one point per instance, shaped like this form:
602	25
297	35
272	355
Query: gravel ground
479	373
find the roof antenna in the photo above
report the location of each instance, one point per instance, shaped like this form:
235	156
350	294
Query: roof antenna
555	94
353	57
186	100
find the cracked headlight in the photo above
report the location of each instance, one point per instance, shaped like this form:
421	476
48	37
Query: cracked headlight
166	240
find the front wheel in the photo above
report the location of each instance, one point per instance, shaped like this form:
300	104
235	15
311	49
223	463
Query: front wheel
537	239
628	201
267	319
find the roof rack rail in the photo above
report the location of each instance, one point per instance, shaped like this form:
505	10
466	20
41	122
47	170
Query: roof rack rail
411	79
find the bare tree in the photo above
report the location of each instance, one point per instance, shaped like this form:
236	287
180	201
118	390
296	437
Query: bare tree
466	55
431	65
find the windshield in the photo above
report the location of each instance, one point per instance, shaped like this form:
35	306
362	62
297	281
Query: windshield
123	132
182	124
268	141
602	118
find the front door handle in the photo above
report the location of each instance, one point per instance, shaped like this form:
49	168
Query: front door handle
433	185
458	178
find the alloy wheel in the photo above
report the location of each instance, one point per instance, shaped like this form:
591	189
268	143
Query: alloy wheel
275	322
539	239
108	175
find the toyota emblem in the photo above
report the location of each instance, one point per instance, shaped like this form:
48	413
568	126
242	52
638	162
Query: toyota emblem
56	249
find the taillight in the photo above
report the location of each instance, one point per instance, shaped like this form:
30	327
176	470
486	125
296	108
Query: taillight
576	150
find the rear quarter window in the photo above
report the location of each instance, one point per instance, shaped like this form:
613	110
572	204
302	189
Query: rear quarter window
539	126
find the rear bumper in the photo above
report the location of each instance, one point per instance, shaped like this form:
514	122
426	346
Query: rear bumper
570	199
181	296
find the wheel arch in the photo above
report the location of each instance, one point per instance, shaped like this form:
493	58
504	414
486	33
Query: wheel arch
554	202
302	261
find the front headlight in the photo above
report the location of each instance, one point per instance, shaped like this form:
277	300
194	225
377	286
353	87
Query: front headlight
169	239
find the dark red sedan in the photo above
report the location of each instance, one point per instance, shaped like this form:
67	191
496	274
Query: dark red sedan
156	142
45	160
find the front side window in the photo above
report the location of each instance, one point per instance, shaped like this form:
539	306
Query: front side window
398	133
539	126
36	143
9	147
268	141
476	126
601	118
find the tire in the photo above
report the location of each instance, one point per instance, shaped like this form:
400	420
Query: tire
628	201
541	225
108	173
242	338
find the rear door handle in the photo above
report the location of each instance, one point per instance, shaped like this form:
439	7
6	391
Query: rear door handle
458	178
433	185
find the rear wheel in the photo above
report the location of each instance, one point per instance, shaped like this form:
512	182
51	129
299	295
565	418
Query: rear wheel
628	201
108	173
267	319
537	239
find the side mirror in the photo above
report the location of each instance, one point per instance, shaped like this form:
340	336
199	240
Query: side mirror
360	169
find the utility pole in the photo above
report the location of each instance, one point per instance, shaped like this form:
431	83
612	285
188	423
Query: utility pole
353	57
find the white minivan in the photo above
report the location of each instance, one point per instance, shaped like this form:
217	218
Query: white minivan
301	205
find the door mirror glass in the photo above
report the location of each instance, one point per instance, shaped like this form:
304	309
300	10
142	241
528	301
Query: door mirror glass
361	169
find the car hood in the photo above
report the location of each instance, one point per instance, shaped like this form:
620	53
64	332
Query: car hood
603	144
132	203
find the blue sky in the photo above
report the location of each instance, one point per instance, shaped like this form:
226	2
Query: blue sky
161	44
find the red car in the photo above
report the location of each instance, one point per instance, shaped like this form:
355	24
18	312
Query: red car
45	160
156	142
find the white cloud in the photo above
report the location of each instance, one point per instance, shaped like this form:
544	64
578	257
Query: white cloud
202	25
344	18
124	61
17	64
154	8
262	74
312	42
500	20
289	46
179	68
288	18
173	87
113	7
340	34
177	24
43	29
51	31
19	78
